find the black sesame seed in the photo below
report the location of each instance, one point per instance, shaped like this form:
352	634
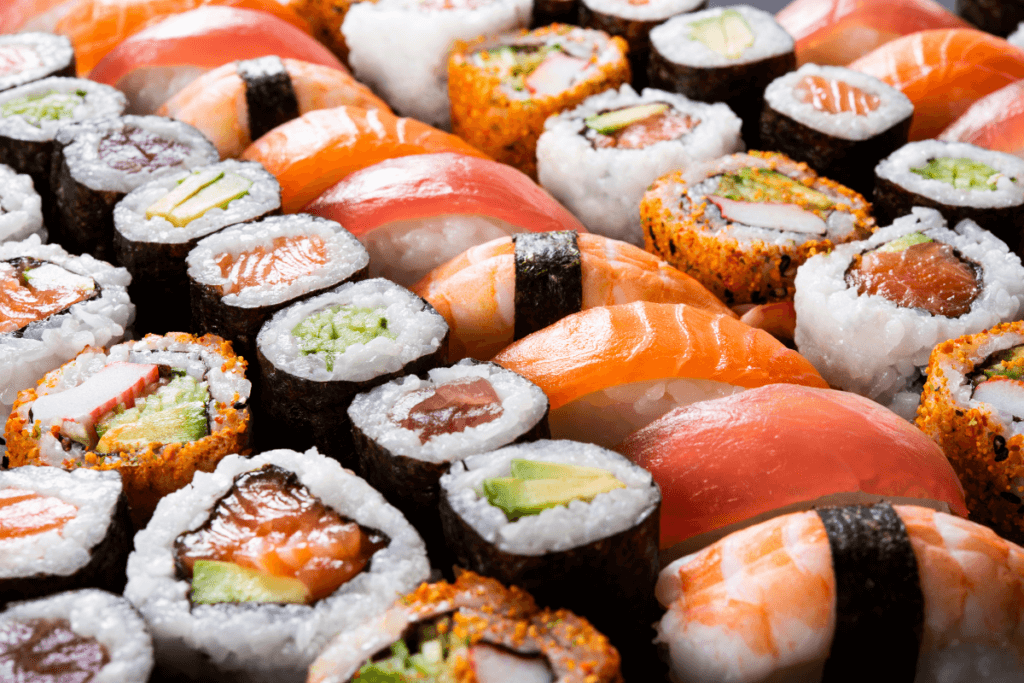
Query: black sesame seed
1011	497
999	445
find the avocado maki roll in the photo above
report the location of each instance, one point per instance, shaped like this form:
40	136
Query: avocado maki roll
34	55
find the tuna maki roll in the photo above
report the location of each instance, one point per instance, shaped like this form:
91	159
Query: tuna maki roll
21	208
32	56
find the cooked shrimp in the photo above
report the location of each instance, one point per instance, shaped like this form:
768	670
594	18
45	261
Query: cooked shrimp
475	291
759	605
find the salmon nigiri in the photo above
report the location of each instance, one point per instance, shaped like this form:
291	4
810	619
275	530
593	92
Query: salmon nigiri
316	150
943	72
32	15
610	370
994	122
838	31
95	27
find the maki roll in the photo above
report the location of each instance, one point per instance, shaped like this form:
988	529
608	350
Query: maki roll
58	305
61	530
96	163
743	224
400	47
316	355
21	208
84	635
959	180
32	56
599	158
248	572
408	431
725	54
159	223
472	630
999	17
240	276
156	410
915	284
502	89
840	121
971	406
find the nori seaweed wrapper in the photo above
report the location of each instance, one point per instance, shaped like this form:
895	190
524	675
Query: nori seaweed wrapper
554	11
84	216
999	17
850	162
105	569
741	86
549	279
879	603
269	94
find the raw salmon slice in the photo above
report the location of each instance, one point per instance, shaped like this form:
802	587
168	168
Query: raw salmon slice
994	122
26	513
23	302
835	96
289	259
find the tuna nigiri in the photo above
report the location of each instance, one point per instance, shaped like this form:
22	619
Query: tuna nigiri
838	31
315	151
610	370
154	64
943	72
994	122
217	103
741	459
414	213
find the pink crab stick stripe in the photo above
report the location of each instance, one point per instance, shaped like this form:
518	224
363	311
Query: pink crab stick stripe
994	122
118	383
425	185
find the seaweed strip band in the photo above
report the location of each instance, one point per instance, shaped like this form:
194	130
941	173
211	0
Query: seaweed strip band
879	603
269	94
549	279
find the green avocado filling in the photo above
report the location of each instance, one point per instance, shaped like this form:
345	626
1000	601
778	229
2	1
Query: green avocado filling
613	121
963	174
518	62
1008	363
536	486
764	185
214	582
197	194
174	413
438	648
728	34
337	328
905	242
49	106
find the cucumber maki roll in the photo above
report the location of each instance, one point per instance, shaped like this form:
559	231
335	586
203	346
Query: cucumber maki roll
32	56
21	208
246	573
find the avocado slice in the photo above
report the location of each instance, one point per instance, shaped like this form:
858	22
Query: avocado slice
611	121
49	106
765	185
538	469
904	242
175	413
335	329
728	34
185	189
214	582
963	174
521	497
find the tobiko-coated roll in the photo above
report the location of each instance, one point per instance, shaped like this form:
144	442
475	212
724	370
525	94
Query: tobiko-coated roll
31	56
248	572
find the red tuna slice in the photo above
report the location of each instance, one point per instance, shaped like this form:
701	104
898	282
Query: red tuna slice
994	122
735	461
85	404
154	64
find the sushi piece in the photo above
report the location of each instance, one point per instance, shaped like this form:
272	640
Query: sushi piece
61	530
53	306
730	462
836	32
993	122
400	48
503	290
316	355
96	27
96	163
841	122
502	89
725	54
83	635
565	521
155	64
943	72
159	223
971	406
808	594
28	57
599	158
248	572
611	370
915	284
742	225
326	18
408	432
416	212
470	627
959	180
157	410
239	102
992	16
242	275
22	208
32	15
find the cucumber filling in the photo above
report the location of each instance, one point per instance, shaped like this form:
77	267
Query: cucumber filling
963	174
439	656
763	185
331	331
48	106
174	413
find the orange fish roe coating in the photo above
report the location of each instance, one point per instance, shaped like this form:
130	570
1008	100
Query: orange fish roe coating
735	270
157	469
505	127
989	463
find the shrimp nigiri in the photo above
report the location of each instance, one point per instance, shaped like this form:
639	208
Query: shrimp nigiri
476	291
994	122
889	593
